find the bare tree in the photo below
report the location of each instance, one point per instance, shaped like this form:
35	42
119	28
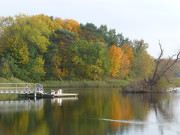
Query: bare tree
152	81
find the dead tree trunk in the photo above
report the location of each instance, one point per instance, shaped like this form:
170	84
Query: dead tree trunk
151	82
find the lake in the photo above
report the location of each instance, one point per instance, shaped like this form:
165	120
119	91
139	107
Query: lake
93	112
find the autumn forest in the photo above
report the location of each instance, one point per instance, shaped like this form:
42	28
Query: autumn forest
39	47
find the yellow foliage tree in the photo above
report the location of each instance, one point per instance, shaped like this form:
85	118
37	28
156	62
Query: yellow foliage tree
39	67
48	21
59	23
128	51
143	65
37	31
19	50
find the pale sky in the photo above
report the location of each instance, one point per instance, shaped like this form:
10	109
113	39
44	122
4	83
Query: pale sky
151	20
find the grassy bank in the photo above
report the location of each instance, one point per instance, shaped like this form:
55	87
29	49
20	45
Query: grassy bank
86	84
11	80
176	81
74	84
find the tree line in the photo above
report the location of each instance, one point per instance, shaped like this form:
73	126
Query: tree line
39	47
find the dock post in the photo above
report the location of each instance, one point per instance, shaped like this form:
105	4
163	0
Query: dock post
35	93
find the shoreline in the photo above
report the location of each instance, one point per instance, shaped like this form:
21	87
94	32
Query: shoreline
112	83
86	84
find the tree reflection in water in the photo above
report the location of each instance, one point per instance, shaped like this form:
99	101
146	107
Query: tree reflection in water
135	109
131	112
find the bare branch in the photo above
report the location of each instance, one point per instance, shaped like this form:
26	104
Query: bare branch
158	62
157	75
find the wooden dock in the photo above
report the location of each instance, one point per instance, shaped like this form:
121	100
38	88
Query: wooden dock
37	95
32	92
46	95
18	86
15	91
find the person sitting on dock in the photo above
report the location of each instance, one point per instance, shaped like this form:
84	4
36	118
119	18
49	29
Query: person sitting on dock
38	88
26	87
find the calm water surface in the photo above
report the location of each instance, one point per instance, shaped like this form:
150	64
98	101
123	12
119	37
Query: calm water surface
94	112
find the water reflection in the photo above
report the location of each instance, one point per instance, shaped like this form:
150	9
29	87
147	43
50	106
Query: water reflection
59	101
21	105
156	113
96	111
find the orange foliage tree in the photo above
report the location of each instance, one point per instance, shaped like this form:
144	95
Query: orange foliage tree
128	51
71	25
120	64
115	54
68	24
127	59
125	66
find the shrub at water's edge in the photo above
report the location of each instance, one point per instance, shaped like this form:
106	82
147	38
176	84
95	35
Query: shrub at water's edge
162	86
176	81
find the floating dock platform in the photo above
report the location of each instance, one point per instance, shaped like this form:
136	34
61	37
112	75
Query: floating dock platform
58	93
45	95
66	95
37	95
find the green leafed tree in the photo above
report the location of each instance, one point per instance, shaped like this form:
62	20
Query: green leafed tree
89	32
25	38
143	64
87	60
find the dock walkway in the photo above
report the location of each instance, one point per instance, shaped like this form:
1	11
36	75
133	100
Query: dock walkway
15	91
30	92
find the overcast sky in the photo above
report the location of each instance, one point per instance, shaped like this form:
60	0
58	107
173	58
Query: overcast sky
151	20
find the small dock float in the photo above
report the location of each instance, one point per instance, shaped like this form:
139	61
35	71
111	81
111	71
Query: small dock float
58	93
66	95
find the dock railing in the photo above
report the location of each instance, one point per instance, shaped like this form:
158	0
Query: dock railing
18	86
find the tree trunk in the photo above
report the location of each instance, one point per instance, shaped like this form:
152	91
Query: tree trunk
161	72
